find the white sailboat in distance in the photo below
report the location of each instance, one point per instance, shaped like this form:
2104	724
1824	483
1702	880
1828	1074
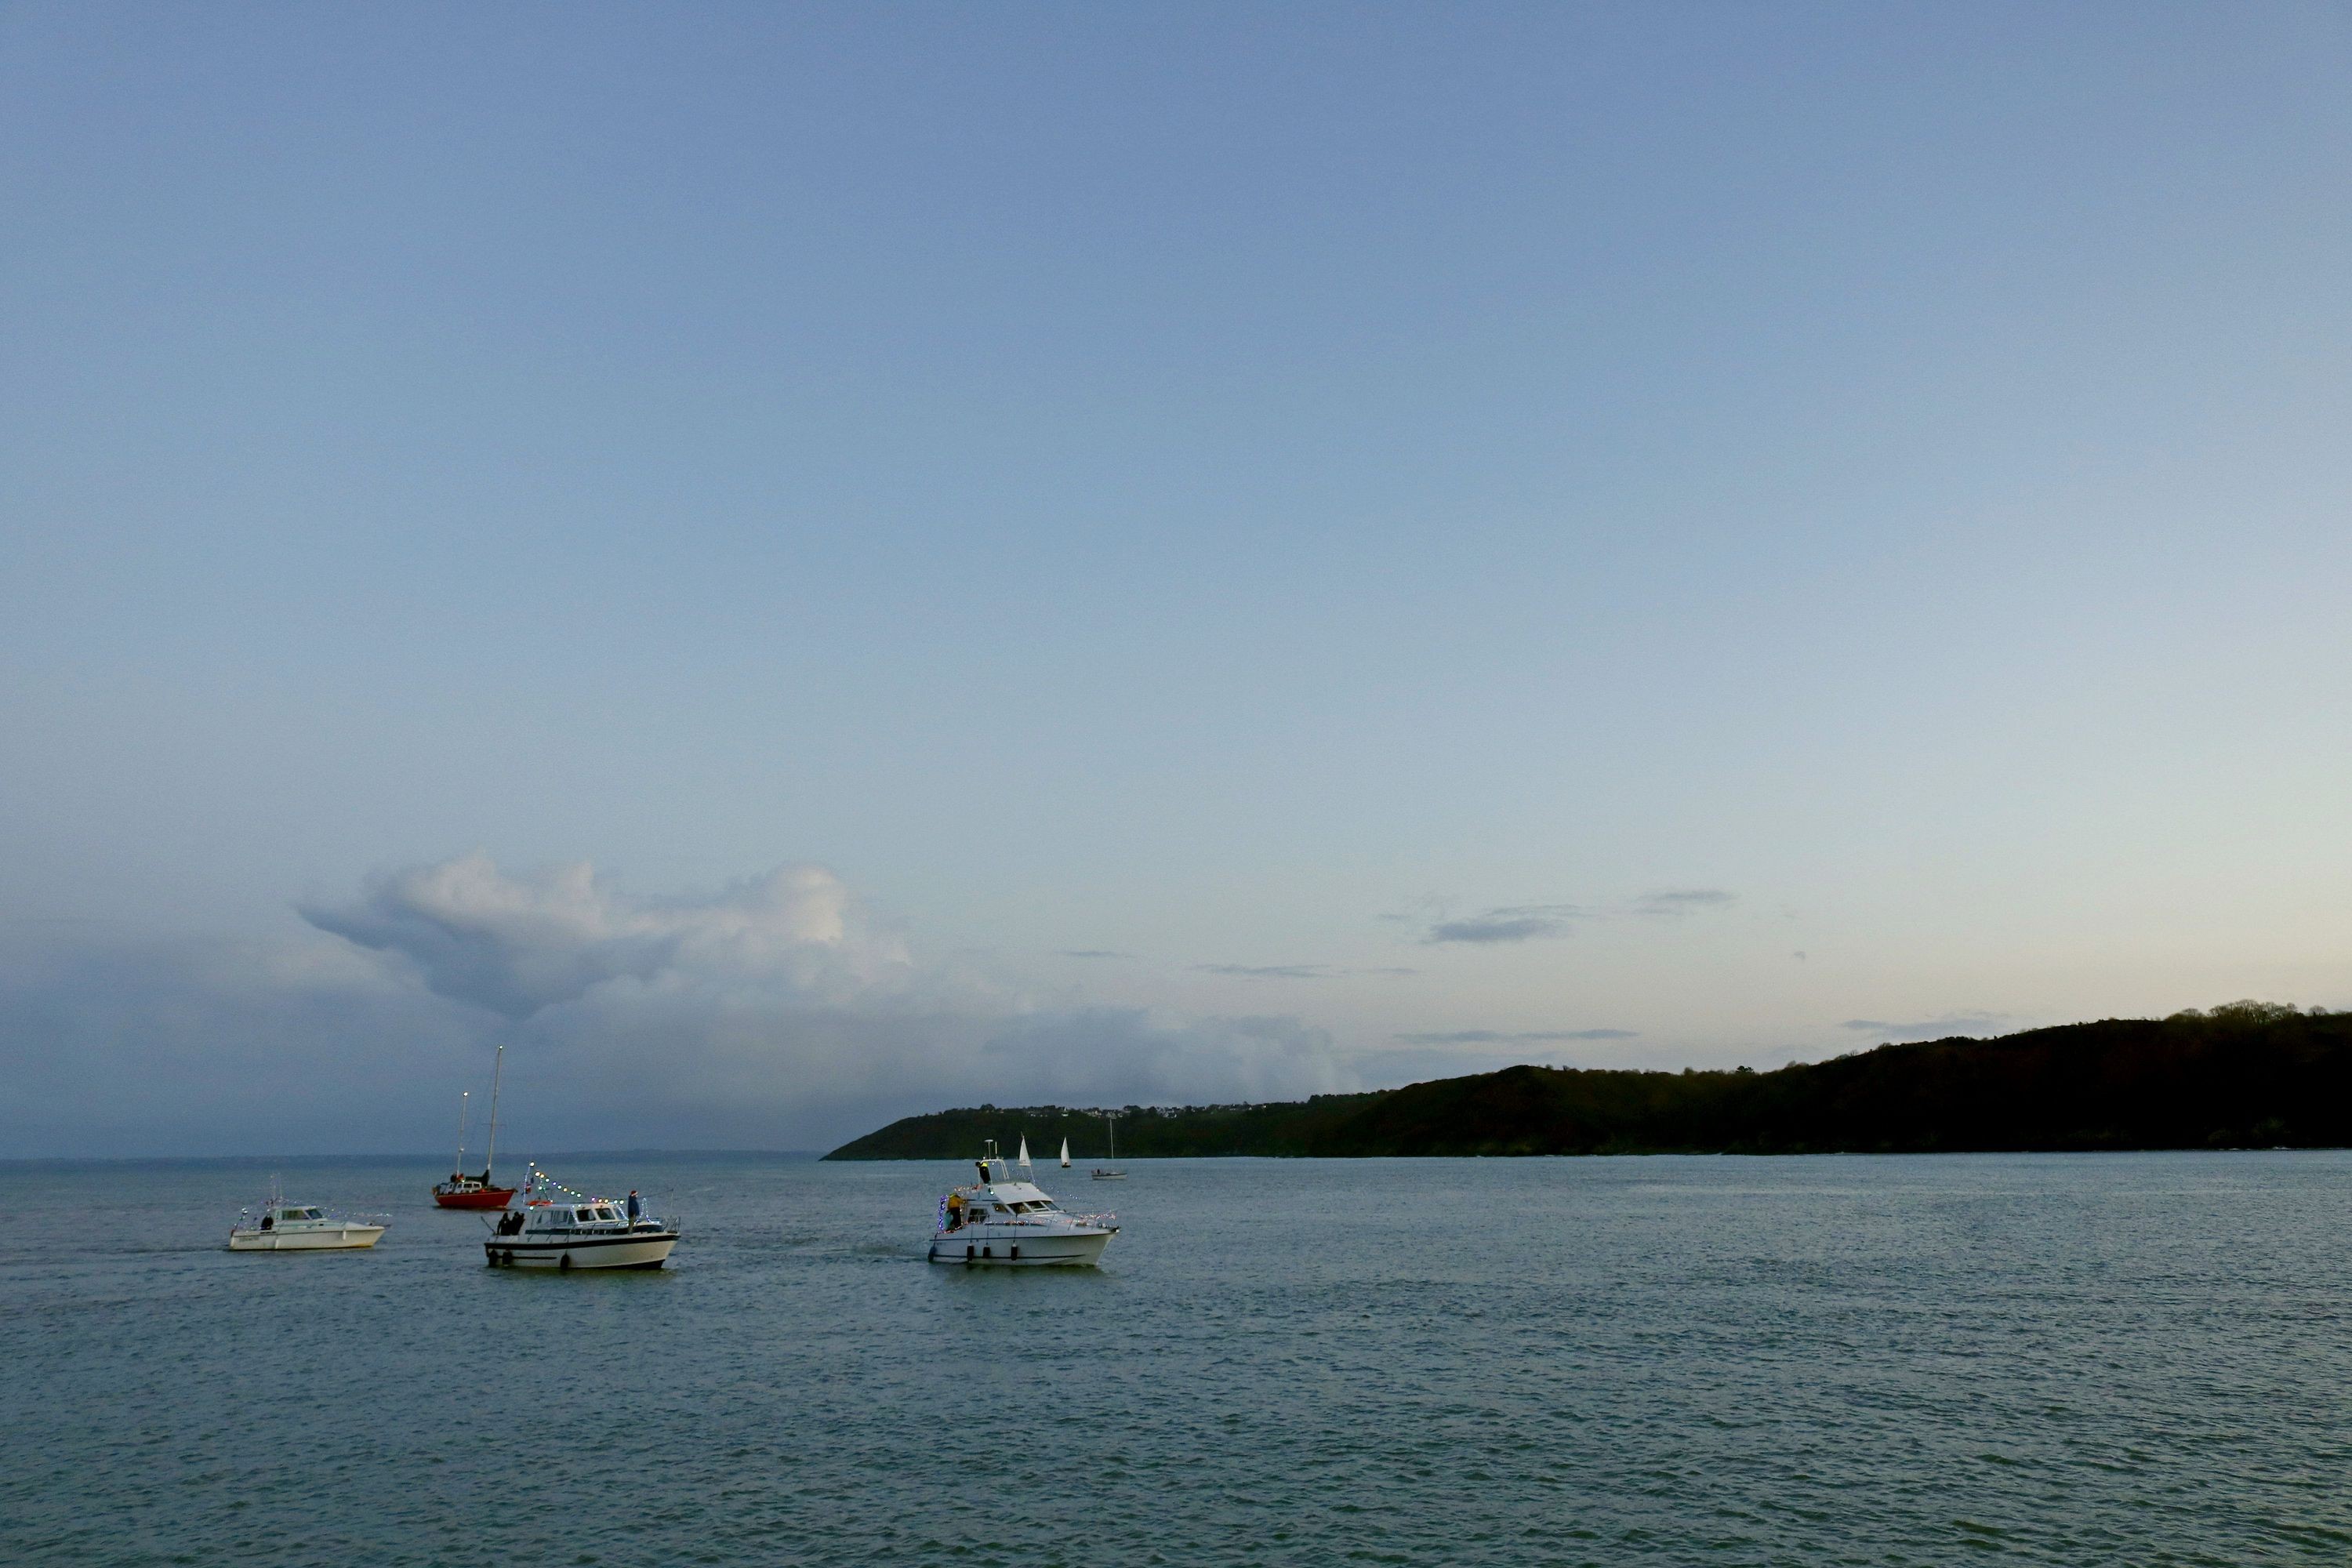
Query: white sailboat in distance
1111	1172
1066	1154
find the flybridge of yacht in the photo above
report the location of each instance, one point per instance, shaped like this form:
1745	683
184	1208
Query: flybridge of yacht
1009	1203
1008	1219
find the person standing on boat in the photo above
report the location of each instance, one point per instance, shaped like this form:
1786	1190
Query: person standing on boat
637	1209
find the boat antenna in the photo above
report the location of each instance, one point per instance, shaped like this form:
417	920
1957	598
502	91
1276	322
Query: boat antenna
490	1155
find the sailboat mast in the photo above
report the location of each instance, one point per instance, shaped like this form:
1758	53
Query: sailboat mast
461	1129
497	1070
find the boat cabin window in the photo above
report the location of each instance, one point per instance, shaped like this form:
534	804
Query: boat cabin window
603	1213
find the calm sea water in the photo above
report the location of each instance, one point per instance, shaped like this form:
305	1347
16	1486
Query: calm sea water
2141	1359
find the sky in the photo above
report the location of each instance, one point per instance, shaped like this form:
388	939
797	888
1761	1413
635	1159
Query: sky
799	564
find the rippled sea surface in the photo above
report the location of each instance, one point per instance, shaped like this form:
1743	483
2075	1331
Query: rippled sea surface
2142	1359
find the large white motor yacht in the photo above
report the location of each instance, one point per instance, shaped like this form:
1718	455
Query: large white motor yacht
1004	1220
568	1230
299	1228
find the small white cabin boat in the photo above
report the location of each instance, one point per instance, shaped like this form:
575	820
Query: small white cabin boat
573	1232
299	1228
1007	1221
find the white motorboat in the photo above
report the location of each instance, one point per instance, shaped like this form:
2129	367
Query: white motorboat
571	1230
299	1228
1004	1220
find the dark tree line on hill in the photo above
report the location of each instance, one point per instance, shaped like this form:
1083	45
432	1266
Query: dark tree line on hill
2250	1074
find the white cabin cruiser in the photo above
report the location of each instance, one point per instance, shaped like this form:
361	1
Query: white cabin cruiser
299	1228
1006	1221
574	1231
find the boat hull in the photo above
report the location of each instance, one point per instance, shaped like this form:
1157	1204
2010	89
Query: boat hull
477	1198
1068	1250
580	1252
338	1239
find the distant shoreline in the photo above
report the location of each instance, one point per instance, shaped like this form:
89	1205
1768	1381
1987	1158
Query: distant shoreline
437	1162
2244	1076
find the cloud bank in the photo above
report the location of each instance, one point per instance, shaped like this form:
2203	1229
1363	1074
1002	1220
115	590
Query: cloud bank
1534	922
1292	971
1944	1027
774	1013
1524	1037
1514	922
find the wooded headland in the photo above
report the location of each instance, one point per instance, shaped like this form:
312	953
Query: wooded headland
2249	1074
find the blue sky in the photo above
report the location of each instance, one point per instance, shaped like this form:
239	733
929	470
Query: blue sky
1244	492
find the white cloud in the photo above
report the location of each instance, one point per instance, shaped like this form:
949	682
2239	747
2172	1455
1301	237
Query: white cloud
774	1013
517	944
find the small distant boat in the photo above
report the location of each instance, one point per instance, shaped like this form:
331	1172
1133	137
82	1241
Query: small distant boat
464	1192
572	1231
1066	1154
1111	1172
299	1228
1003	1221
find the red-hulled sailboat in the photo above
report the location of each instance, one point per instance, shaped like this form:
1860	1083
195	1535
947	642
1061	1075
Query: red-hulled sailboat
464	1192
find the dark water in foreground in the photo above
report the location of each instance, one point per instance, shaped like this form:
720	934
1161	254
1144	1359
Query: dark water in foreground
2141	1359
